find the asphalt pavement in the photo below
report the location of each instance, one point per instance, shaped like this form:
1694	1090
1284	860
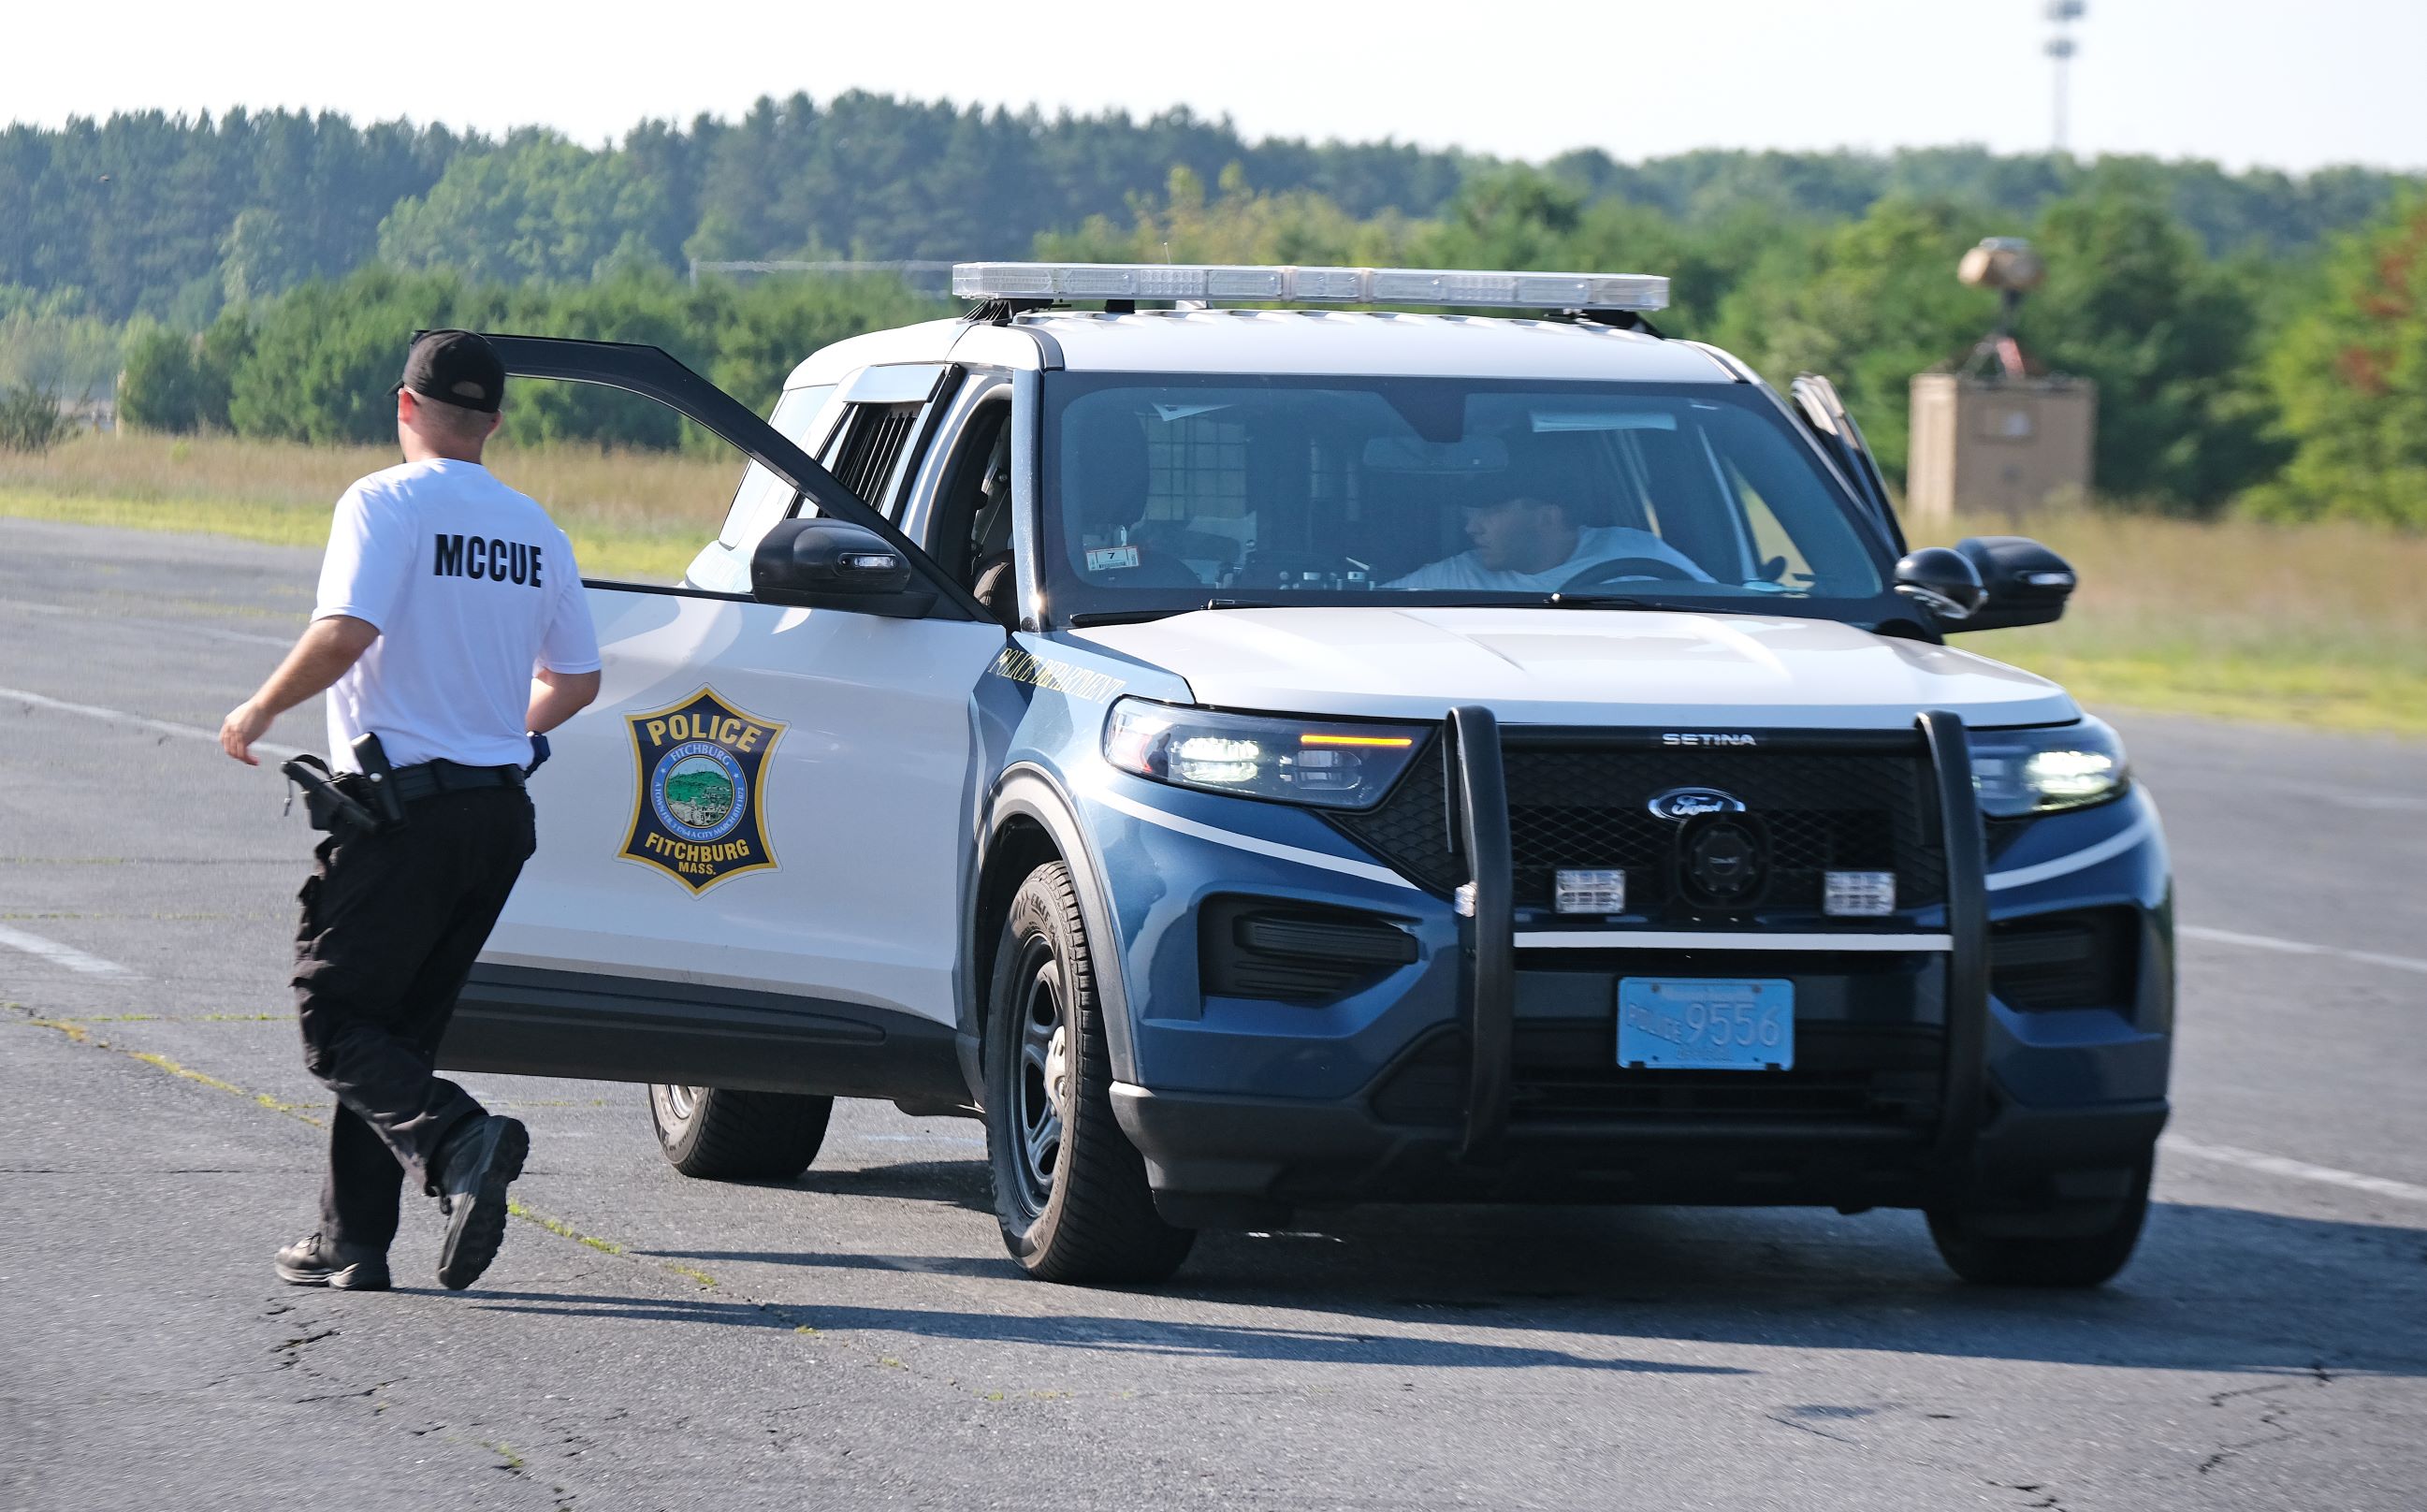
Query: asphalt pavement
857	1337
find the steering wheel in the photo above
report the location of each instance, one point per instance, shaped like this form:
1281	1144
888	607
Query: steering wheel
1618	569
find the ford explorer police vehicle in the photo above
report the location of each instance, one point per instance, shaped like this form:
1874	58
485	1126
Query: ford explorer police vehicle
1266	740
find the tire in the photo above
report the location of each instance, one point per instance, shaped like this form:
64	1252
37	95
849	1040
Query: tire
2000	1250
718	1134
1069	1190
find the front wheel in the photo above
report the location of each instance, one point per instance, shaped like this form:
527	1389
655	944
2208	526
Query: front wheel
2080	1247
720	1134
1069	1190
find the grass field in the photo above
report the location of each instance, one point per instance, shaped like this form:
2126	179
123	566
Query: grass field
635	515
2319	626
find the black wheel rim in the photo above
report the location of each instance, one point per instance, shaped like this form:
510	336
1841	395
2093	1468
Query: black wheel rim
1041	1093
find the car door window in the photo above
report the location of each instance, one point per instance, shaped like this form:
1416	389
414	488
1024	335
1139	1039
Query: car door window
763	497
802	417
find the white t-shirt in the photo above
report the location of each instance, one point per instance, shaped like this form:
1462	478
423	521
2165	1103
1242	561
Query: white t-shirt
1594	543
471	586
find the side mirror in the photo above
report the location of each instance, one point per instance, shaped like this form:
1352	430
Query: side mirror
1942	581
822	563
2027	583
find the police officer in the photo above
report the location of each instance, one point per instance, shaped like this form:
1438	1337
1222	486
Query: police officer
451	624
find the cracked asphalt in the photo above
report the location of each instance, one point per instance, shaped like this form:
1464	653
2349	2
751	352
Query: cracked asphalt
857	1338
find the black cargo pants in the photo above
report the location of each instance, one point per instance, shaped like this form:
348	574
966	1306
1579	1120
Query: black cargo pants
391	925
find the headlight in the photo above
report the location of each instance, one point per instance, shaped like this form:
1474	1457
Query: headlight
2018	772
1297	761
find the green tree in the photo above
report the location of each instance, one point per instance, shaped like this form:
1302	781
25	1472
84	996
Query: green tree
1867	304
323	356
317	364
30	420
2350	376
537	208
222	348
161	388
2133	301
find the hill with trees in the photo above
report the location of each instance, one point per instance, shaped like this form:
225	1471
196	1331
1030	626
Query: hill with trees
174	217
2256	337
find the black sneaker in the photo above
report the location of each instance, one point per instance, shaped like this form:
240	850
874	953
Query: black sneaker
473	1173
315	1261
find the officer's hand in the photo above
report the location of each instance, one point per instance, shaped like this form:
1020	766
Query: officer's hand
245	723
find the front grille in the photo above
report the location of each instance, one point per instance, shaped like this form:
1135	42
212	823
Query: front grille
1411	830
1569	1073
1580	803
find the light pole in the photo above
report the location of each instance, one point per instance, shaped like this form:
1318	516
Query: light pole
2062	47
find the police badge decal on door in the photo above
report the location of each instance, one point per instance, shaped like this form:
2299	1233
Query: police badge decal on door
699	804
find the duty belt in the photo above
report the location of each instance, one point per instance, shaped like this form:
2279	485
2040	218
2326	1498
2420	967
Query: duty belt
428	779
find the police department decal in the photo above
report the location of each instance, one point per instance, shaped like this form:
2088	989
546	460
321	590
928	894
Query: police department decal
699	813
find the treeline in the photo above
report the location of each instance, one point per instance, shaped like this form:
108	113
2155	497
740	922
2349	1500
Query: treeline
2294	387
175	217
319	364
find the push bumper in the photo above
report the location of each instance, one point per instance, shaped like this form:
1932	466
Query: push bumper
1218	1160
1223	1158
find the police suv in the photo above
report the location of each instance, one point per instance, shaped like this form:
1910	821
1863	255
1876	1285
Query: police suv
1264	747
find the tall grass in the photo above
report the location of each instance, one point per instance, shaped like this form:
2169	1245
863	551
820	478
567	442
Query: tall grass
636	514
2318	625
2322	624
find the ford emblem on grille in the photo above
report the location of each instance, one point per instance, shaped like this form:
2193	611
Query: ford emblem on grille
1679	805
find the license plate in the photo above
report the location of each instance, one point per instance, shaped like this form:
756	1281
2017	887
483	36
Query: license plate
1695	1024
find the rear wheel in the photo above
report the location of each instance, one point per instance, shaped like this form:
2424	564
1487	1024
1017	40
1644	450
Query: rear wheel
2069	1245
723	1135
1070	1191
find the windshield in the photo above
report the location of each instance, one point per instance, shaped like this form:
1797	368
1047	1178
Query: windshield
1166	491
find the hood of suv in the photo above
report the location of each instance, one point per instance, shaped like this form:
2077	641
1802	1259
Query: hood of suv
1552	666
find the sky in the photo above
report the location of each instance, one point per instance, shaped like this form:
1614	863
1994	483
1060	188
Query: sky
2236	81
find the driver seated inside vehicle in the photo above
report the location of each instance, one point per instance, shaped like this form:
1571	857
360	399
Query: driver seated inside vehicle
1526	544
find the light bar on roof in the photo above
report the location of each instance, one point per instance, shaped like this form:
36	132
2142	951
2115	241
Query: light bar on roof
1452	286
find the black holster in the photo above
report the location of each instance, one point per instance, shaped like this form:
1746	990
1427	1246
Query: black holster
331	802
351	803
376	782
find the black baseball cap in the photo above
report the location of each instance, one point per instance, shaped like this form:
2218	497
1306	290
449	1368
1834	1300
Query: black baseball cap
457	367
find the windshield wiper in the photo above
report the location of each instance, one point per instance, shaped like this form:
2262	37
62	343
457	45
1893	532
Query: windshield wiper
1138	616
1665	606
1599	601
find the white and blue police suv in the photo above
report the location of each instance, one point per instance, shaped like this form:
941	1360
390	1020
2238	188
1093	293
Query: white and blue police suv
1267	749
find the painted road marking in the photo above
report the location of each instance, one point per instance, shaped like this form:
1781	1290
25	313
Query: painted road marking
172	626
2361	798
2269	942
57	954
140	721
2251	1160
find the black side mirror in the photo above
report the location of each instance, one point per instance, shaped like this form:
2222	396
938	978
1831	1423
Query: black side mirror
2027	584
822	563
1942	581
